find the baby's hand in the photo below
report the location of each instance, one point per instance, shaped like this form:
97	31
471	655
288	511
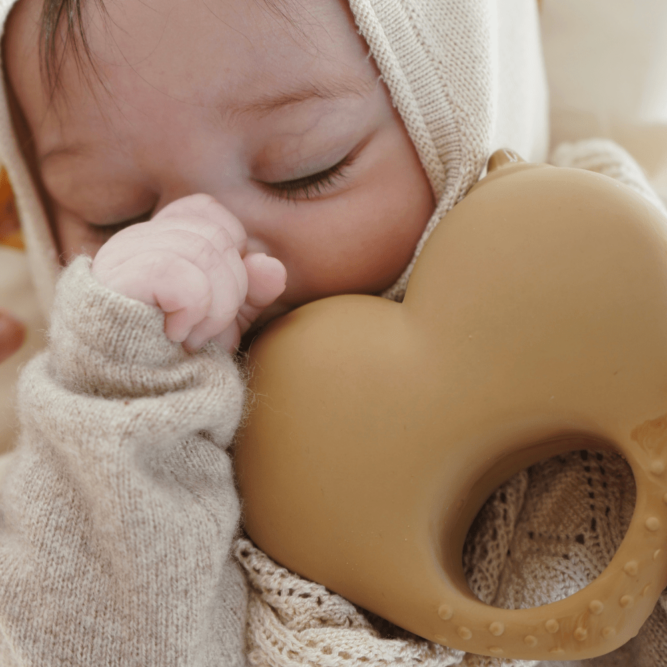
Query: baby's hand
190	260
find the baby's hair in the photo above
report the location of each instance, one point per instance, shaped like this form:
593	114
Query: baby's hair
69	12
54	14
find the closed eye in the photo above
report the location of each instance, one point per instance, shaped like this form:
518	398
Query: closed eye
312	186
103	233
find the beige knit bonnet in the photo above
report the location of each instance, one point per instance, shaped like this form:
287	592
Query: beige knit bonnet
466	76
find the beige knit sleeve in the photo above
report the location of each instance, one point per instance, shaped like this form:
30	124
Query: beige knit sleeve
118	513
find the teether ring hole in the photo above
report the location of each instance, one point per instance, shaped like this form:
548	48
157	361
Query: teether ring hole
591	473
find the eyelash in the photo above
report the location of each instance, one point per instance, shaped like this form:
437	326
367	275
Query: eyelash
290	191
105	232
309	186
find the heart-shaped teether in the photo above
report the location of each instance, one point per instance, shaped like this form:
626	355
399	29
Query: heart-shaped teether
536	314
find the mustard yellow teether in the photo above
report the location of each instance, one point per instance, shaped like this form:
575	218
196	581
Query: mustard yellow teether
536	314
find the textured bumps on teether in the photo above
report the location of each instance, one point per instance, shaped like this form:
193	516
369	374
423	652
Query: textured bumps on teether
536	314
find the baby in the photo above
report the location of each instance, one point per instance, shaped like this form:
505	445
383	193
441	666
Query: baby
221	162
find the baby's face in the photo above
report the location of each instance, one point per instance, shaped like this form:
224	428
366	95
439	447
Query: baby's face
272	107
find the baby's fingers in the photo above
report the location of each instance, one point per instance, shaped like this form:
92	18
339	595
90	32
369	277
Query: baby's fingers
266	282
178	287
229	283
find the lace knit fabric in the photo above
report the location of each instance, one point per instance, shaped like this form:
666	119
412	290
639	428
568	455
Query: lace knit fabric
543	535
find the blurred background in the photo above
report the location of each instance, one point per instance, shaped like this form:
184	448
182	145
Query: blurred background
607	68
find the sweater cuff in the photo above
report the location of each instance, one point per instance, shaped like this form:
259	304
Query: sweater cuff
105	343
604	156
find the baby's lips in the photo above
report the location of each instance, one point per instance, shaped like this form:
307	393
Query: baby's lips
12	335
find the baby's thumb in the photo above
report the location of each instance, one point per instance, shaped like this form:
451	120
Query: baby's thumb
12	335
266	282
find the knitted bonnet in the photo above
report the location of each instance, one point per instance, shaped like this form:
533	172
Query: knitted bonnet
466	76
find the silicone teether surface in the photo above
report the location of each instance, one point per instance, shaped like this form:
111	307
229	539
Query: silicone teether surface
537	312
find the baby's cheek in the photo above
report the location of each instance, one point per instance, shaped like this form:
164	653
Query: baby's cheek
394	207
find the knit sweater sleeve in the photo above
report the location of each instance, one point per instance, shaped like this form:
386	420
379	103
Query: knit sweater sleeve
118	513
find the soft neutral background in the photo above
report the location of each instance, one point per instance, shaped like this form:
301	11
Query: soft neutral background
607	66
17	296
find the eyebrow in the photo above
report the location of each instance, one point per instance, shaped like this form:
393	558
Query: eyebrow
262	106
268	104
